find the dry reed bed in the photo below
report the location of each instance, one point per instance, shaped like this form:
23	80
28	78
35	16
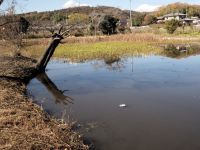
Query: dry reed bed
132	37
138	37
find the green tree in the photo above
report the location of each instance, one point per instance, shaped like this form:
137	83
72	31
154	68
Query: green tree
91	29
58	17
23	25
172	25
138	19
194	11
78	18
108	25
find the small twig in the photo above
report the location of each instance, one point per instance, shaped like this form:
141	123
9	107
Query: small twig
65	32
60	29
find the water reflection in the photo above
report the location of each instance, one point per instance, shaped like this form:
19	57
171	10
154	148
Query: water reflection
53	89
162	95
110	63
114	63
181	50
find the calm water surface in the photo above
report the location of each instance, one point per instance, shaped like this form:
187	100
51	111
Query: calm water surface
162	97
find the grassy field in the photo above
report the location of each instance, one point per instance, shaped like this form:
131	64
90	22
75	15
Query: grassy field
105	47
99	50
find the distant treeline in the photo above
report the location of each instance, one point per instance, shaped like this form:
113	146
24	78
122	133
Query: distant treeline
71	14
88	20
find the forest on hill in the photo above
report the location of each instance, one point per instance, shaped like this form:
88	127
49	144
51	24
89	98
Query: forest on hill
88	20
85	13
191	10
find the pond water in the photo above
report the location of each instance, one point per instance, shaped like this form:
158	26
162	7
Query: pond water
162	97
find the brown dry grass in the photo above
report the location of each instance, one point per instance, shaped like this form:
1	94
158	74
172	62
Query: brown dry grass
24	125
133	37
17	67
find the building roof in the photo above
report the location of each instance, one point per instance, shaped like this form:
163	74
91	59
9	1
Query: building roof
188	19
174	15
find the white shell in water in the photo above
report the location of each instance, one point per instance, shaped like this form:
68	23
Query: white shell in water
122	105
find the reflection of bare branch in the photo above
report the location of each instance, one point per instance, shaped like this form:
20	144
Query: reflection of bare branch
53	89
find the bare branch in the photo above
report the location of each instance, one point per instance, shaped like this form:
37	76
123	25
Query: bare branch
1	1
9	22
60	29
65	32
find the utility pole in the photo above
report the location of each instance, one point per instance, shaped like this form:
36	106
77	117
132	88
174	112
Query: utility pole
131	22
79	5
186	10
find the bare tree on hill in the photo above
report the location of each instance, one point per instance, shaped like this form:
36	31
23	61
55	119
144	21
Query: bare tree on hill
13	28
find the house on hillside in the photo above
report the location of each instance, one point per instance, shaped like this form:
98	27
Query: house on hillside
178	16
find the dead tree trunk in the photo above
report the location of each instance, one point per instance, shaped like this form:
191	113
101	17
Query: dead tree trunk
43	61
57	37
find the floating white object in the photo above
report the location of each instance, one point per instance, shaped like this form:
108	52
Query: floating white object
122	105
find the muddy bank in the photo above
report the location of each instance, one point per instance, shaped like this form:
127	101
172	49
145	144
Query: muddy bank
23	124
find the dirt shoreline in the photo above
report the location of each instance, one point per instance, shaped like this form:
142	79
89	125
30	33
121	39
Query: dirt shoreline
23	124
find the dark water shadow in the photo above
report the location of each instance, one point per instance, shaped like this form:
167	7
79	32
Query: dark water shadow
53	89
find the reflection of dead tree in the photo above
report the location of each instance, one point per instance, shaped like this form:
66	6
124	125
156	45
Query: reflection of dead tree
114	63
53	89
111	63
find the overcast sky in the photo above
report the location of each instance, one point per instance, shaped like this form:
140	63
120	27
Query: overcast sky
45	5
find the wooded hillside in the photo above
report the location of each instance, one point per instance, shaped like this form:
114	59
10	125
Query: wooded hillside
191	10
